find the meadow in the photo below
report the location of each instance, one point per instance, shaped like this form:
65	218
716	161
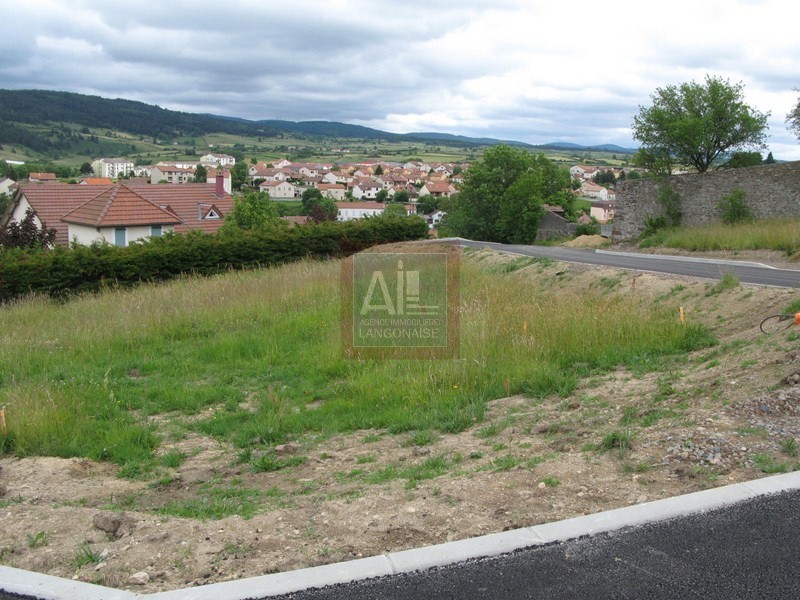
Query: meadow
782	235
254	357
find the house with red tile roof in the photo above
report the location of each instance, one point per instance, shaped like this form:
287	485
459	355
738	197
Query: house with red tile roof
119	215
437	189
42	178
92	212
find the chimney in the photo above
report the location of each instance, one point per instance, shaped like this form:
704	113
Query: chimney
219	192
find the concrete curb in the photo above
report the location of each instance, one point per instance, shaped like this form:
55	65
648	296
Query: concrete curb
46	587
741	263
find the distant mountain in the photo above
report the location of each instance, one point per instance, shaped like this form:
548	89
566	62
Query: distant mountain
22	109
578	147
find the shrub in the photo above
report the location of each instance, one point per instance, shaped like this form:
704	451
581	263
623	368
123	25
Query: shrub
734	209
587	229
64	271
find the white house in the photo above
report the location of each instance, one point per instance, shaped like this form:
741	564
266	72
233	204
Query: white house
171	174
592	190
112	167
583	172
7	186
366	189
332	190
279	190
350	211
219	160
94	212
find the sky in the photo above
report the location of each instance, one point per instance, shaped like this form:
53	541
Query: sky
527	70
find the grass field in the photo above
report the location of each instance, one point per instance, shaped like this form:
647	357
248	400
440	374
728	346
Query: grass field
262	348
782	235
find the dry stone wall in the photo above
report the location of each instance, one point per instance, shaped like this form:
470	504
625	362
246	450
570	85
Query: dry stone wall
770	191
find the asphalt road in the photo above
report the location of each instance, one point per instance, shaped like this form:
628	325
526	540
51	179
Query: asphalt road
706	268
748	550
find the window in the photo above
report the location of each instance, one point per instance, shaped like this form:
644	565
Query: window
120	236
155	231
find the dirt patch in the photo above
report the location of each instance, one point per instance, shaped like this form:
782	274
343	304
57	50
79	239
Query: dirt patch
587	241
721	415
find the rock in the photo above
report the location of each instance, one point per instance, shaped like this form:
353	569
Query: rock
288	448
3	490
110	523
139	578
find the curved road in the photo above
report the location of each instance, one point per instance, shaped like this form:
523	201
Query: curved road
747	272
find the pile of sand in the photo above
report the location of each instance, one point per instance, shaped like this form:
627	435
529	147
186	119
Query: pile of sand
587	241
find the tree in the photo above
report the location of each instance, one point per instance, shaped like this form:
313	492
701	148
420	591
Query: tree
743	159
382	196
793	118
770	160
26	234
502	196
395	210
200	174
238	175
324	210
401	197
694	123
86	169
310	198
253	210
427	204
379	170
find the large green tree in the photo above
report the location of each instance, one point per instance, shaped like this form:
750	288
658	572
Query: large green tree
502	196
693	123
253	210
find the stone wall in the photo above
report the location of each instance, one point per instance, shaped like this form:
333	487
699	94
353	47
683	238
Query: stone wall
553	226
770	191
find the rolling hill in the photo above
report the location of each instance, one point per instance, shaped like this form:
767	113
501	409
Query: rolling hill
56	123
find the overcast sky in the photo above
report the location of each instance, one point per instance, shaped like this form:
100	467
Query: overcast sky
528	70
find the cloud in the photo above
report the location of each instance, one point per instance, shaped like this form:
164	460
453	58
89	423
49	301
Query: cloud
511	69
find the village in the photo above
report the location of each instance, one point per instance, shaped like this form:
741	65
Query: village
121	202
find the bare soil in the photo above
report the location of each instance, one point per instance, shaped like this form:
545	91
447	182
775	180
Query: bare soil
720	415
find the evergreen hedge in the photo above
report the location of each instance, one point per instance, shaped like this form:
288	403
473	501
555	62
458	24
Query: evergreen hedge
63	271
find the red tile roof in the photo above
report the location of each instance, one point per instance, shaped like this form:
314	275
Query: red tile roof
120	206
190	202
97	181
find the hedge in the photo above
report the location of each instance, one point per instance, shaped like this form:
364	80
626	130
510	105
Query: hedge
64	271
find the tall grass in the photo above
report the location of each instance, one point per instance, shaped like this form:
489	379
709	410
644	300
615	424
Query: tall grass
262	349
773	234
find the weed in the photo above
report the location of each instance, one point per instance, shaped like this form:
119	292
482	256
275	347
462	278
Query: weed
85	555
728	281
550	481
38	540
362	460
609	282
619	439
371	438
270	462
505	463
212	502
172	459
767	464
790	447
421	438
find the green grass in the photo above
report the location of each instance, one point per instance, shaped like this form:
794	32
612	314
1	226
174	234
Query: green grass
259	351
728	281
782	235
